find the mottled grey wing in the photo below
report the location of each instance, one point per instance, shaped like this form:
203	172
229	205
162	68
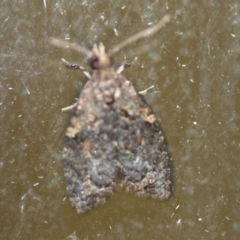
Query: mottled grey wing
143	157
90	152
89	181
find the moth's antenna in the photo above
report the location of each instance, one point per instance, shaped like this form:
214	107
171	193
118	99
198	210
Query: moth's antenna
145	33
73	46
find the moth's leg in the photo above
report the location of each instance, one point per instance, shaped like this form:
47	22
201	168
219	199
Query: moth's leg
69	107
125	65
75	66
143	92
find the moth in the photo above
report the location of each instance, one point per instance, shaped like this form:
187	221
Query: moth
113	138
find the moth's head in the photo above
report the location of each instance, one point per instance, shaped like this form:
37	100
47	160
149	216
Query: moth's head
100	59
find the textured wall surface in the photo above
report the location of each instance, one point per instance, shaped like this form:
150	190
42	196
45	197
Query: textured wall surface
195	71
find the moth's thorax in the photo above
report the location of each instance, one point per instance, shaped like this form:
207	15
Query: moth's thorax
104	74
106	85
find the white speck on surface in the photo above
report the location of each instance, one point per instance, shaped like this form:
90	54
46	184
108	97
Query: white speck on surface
6	19
195	123
191	80
179	222
35	184
10	88
115	31
199	219
177	207
167	6
23	197
28	92
233	35
22	208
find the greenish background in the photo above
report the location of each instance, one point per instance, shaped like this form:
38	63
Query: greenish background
196	73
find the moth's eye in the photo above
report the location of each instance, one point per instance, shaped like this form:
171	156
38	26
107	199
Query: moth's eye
94	63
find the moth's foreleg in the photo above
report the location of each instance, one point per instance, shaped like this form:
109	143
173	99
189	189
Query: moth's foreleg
143	92
75	66
125	65
69	107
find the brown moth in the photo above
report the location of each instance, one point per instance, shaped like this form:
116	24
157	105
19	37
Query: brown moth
113	138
